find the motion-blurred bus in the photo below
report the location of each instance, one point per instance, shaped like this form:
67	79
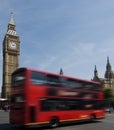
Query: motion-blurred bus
41	98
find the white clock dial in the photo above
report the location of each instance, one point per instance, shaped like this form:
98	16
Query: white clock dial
12	45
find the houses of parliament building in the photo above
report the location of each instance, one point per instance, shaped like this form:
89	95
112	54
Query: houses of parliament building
11	53
108	80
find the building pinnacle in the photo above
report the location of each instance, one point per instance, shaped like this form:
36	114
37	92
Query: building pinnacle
11	19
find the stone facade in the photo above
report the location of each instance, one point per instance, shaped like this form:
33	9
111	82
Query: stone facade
108	80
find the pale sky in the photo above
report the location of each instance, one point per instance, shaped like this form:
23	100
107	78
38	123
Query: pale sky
74	35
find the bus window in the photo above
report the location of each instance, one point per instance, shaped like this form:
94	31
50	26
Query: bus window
17	98
63	82
74	84
38	78
71	83
79	85
96	87
53	105
99	105
48	105
90	86
59	105
73	105
18	79
53	80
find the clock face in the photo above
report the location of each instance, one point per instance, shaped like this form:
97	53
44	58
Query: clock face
12	45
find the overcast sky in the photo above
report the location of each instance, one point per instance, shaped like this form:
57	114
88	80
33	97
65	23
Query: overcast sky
74	35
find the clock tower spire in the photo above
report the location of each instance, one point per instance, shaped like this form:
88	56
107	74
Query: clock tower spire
11	53
11	19
11	30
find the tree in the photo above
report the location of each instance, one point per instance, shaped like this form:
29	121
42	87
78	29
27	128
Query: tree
109	94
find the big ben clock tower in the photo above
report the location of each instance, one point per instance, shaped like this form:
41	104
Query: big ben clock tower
11	52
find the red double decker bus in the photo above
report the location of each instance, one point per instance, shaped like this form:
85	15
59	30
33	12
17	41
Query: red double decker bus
43	98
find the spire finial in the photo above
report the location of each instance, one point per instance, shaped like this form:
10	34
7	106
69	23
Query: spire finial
108	63
61	72
107	59
108	73
95	68
95	72
11	19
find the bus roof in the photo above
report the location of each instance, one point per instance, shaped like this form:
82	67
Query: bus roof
54	74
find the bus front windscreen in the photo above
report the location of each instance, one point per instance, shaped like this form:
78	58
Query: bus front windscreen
18	79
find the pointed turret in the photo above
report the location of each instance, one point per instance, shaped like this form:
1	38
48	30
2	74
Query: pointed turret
108	73
95	72
108	66
96	78
11	27
61	72
11	19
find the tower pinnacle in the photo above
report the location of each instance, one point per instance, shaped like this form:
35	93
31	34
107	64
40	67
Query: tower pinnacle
108	73
11	27
11	19
96	78
95	72
61	72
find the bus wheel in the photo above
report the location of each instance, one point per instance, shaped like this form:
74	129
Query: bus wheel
54	122
92	117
